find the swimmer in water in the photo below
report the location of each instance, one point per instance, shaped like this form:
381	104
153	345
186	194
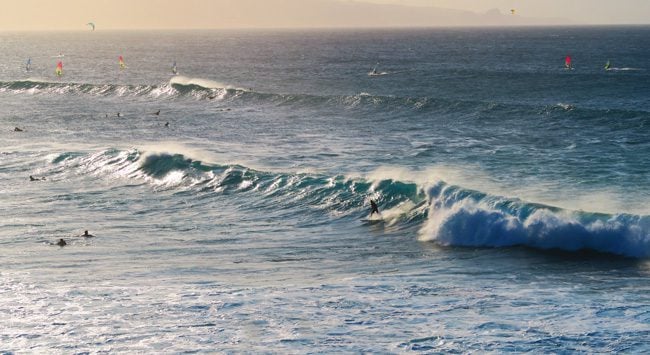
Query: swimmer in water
61	243
86	235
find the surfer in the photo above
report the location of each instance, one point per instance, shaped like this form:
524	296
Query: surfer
31	178
86	235
61	243
157	113
166	124
119	114
375	209
16	129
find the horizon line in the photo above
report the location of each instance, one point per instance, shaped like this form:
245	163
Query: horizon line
279	28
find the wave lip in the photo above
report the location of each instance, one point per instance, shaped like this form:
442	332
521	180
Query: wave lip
460	217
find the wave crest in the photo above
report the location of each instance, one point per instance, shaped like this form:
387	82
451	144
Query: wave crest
443	213
467	218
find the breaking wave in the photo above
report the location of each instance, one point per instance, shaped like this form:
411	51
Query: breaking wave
442	213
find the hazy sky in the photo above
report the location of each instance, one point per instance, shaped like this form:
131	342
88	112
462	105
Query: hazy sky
174	14
581	11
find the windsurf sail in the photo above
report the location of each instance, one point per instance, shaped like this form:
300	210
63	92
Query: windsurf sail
567	62
59	69
174	70
374	70
28	65
92	25
608	65
122	65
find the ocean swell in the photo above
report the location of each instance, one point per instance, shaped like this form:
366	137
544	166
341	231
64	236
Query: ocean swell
445	214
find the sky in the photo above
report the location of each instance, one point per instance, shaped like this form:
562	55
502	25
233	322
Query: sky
580	11
204	14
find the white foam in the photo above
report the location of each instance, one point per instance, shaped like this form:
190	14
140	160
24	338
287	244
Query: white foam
205	83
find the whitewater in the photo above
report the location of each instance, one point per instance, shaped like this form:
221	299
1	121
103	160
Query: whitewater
229	203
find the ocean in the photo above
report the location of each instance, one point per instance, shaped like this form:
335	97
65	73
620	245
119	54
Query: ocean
230	203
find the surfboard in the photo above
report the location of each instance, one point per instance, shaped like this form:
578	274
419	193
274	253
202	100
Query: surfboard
372	220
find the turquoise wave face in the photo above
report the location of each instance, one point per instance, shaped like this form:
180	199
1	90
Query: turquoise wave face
447	214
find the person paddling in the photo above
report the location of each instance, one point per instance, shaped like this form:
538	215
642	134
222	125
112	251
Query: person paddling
86	235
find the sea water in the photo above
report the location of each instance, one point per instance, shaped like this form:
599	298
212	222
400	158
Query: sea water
513	192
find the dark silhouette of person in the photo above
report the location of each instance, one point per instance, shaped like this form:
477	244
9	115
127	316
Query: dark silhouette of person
17	129
61	243
167	124
119	114
86	235
374	207
157	113
31	178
